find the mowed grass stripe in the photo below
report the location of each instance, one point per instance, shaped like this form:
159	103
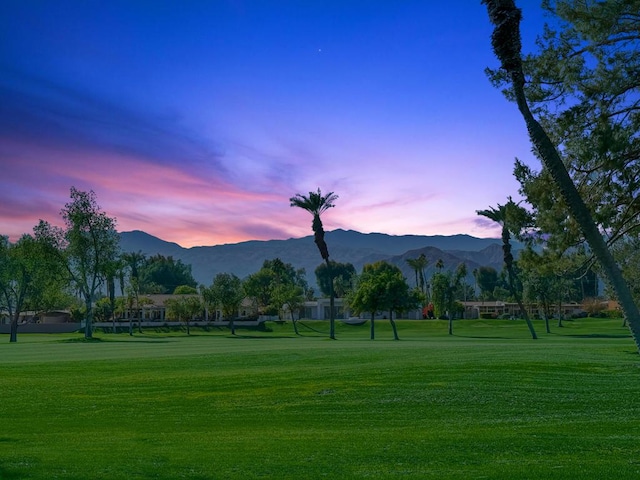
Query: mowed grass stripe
429	406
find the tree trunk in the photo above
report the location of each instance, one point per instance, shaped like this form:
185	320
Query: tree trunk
393	325
332	315
508	261
450	317
13	335
88	326
581	214
293	320
372	335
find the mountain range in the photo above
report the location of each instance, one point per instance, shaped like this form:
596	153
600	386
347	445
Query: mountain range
345	246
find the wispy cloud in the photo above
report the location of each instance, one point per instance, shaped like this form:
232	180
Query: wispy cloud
42	112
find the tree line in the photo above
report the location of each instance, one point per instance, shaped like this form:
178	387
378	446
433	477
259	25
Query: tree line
578	97
81	268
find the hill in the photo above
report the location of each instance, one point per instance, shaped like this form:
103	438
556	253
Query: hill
345	246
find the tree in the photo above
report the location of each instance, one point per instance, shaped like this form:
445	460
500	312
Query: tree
418	265
228	293
316	204
341	274
487	280
511	217
112	270
160	274
381	286
445	288
582	85
23	276
507	47
259	287
275	276
290	296
86	246
183	308
461	273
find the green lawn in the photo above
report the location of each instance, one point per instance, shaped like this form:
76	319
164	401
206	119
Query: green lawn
488	402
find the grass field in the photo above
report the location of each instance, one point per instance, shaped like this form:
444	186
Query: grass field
488	402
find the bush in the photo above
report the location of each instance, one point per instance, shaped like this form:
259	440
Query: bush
593	306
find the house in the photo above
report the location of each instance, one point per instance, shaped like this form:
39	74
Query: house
498	309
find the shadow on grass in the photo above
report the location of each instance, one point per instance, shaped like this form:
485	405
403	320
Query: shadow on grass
596	335
261	337
482	337
8	474
109	340
81	340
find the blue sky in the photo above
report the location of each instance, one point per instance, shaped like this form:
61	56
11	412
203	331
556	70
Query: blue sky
197	121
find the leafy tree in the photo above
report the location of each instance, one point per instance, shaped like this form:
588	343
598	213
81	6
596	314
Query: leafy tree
316	204
86	246
259	287
591	54
292	296
103	310
487	280
445	288
511	217
582	85
24	275
381	286
183	308
227	292
185	290
275	276
160	274
628	252
340	273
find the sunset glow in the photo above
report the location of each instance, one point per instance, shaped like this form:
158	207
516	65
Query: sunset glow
196	122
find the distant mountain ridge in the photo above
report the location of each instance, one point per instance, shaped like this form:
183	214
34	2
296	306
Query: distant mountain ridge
245	258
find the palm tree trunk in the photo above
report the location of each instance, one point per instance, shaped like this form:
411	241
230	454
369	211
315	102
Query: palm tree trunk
507	46
581	214
332	315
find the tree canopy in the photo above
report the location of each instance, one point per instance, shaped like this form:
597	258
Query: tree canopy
85	247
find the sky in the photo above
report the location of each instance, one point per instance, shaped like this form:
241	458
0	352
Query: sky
197	121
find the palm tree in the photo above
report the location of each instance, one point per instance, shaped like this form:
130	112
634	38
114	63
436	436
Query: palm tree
134	260
316	204
507	46
413	263
504	216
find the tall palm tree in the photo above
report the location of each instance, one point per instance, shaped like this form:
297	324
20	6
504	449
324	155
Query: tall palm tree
507	46
503	215
316	204
413	263
418	265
